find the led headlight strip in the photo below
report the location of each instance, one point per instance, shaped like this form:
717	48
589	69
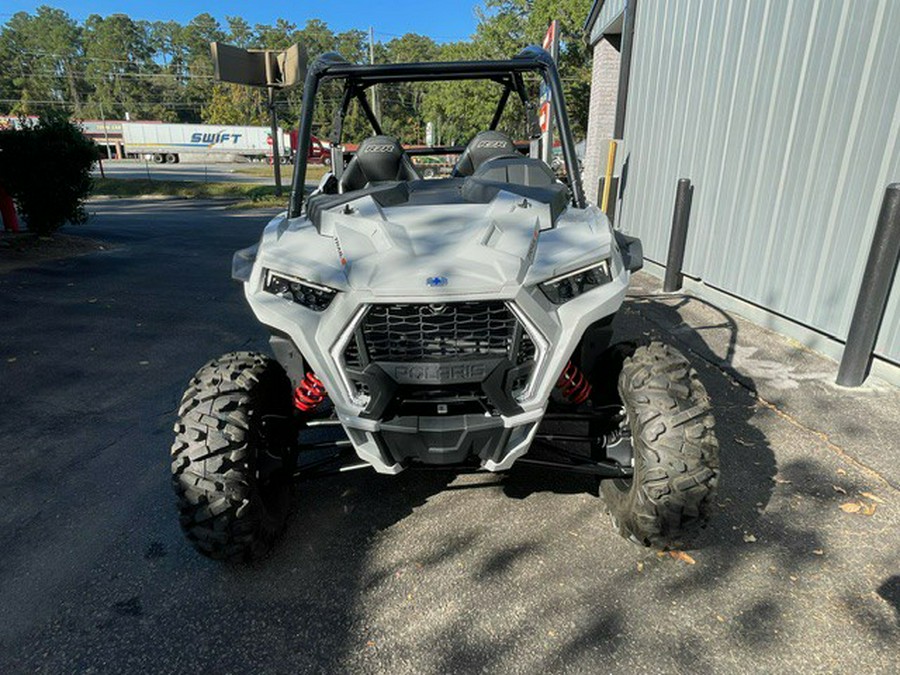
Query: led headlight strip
570	285
303	292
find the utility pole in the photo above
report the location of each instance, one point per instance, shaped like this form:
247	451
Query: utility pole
105	132
276	157
376	108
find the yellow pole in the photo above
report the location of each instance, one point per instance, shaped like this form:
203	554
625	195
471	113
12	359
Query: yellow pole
610	165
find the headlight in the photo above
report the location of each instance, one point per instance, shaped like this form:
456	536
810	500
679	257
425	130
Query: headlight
303	292
572	284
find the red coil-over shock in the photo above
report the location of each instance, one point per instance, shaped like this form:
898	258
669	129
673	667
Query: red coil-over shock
309	394
573	384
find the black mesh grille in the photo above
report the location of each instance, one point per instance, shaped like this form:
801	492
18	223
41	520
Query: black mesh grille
352	355
417	333
526	350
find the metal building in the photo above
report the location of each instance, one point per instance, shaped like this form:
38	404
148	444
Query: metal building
785	115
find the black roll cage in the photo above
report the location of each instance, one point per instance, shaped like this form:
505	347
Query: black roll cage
358	78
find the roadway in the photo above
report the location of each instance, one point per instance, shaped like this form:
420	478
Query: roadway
210	172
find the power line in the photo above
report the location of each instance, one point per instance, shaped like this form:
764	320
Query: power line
66	73
81	56
455	38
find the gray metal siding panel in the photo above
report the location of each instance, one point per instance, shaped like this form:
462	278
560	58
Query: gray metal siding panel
786	117
609	12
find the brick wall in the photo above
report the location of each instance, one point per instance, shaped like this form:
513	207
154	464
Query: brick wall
604	90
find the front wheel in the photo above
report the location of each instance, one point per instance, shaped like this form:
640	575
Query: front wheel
676	455
233	460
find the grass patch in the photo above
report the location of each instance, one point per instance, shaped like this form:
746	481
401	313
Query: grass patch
313	171
247	195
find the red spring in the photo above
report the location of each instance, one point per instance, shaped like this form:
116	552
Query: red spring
309	394
573	384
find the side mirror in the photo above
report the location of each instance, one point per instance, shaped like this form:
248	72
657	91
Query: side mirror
632	251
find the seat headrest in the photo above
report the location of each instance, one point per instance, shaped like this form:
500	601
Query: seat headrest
380	158
484	146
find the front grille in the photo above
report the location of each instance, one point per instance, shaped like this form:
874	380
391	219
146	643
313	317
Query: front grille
434	339
407	333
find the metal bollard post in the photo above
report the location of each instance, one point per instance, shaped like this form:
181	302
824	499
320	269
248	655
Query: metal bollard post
678	238
873	293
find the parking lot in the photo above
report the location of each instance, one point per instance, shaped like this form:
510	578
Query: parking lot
425	572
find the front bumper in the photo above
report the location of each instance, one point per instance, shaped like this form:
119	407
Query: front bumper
496	442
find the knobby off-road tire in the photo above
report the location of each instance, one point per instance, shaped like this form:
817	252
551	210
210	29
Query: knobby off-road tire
676	455
230	469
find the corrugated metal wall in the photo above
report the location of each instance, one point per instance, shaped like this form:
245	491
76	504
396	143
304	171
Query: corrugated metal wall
786	117
609	12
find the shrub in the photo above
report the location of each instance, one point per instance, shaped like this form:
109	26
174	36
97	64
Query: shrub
47	171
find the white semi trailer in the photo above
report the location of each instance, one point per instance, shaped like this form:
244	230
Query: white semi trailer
169	143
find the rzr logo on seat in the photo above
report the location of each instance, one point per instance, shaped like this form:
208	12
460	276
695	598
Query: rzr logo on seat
492	144
378	148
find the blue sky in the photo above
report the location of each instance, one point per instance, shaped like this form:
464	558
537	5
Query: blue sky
443	21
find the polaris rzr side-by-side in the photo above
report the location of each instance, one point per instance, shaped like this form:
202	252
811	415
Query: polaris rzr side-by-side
463	322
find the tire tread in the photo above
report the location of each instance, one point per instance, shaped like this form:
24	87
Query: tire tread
214	461
676	452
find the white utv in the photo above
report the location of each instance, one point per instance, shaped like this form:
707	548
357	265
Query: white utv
462	321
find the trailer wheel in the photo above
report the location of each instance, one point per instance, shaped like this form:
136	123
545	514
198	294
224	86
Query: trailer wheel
159	159
676	455
232	466
171	158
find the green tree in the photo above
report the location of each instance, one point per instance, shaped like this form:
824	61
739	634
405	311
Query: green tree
196	36
401	104
236	104
506	26
120	70
41	62
199	76
239	32
164	38
461	109
54	160
279	36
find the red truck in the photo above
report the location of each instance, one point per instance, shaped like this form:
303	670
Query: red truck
319	153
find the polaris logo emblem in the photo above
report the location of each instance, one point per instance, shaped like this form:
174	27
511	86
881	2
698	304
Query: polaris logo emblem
496	145
436	282
433	373
378	148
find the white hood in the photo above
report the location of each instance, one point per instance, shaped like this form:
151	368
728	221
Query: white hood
435	250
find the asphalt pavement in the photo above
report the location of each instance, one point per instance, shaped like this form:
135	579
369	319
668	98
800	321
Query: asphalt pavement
212	172
423	572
